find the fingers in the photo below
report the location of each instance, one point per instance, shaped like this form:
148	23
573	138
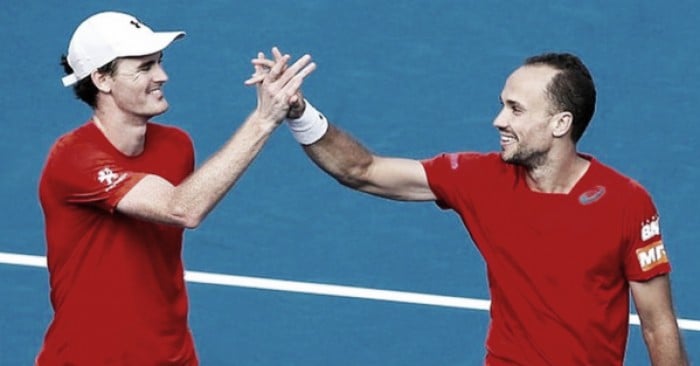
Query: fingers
300	69
254	79
276	53
265	69
296	74
262	67
279	83
278	70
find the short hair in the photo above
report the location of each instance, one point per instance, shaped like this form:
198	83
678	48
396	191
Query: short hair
572	89
85	89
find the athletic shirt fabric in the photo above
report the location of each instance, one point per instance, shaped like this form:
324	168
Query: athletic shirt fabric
117	283
558	265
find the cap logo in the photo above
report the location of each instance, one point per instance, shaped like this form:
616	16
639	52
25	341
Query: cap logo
135	23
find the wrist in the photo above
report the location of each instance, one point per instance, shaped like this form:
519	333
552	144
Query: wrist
263	121
309	127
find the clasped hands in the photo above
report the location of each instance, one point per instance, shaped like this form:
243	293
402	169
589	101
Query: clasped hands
279	84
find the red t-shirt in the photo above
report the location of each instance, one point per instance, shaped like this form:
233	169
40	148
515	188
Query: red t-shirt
117	283
558	265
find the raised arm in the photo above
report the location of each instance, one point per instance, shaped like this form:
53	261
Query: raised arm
187	204
351	164
343	157
658	321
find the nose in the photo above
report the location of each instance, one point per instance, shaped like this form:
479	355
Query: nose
500	121
159	74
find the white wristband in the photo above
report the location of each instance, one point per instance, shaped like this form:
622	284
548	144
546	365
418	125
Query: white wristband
310	127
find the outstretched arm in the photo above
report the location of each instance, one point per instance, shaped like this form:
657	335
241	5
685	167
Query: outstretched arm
187	204
351	164
659	325
343	157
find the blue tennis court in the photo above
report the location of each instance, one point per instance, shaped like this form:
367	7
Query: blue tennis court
293	269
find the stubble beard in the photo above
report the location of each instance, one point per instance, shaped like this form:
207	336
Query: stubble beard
527	158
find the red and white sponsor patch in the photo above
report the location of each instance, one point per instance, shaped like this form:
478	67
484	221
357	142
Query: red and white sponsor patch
651	255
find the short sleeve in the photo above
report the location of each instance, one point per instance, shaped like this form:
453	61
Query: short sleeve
646	255
448	176
84	174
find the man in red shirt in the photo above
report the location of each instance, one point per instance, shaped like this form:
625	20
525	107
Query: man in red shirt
564	237
118	191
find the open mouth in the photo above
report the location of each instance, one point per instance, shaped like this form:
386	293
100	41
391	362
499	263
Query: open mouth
507	140
156	91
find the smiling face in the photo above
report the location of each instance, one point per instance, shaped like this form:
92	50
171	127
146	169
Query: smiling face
136	86
526	122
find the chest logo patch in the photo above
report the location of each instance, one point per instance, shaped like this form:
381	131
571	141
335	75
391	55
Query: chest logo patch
591	195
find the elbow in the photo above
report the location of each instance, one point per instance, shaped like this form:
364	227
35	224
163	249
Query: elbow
355	177
190	223
185	218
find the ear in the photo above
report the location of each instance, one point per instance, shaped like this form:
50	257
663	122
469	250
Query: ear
102	81
563	121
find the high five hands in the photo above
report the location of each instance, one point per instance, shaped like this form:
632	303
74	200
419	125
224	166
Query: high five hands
279	85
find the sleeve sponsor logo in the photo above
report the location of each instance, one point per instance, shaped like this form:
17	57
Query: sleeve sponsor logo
650	228
109	178
651	256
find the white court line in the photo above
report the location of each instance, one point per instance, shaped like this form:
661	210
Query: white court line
324	289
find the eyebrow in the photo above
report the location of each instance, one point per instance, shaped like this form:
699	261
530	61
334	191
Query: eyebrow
147	62
512	103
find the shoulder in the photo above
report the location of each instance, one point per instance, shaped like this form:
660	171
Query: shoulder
75	144
72	153
468	169
167	131
626	188
461	160
614	177
169	140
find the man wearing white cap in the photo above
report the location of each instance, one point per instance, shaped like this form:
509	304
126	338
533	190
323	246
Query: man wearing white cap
118	191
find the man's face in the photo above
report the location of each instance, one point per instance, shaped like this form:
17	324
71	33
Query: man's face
525	122
136	85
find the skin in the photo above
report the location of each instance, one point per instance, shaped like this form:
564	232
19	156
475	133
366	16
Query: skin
533	134
134	94
535	137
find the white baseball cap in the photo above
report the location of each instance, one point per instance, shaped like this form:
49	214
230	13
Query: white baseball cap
103	37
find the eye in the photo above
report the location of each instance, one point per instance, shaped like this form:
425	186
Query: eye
147	66
517	110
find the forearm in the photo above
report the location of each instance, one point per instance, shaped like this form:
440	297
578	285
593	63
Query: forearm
342	157
353	165
194	198
665	346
